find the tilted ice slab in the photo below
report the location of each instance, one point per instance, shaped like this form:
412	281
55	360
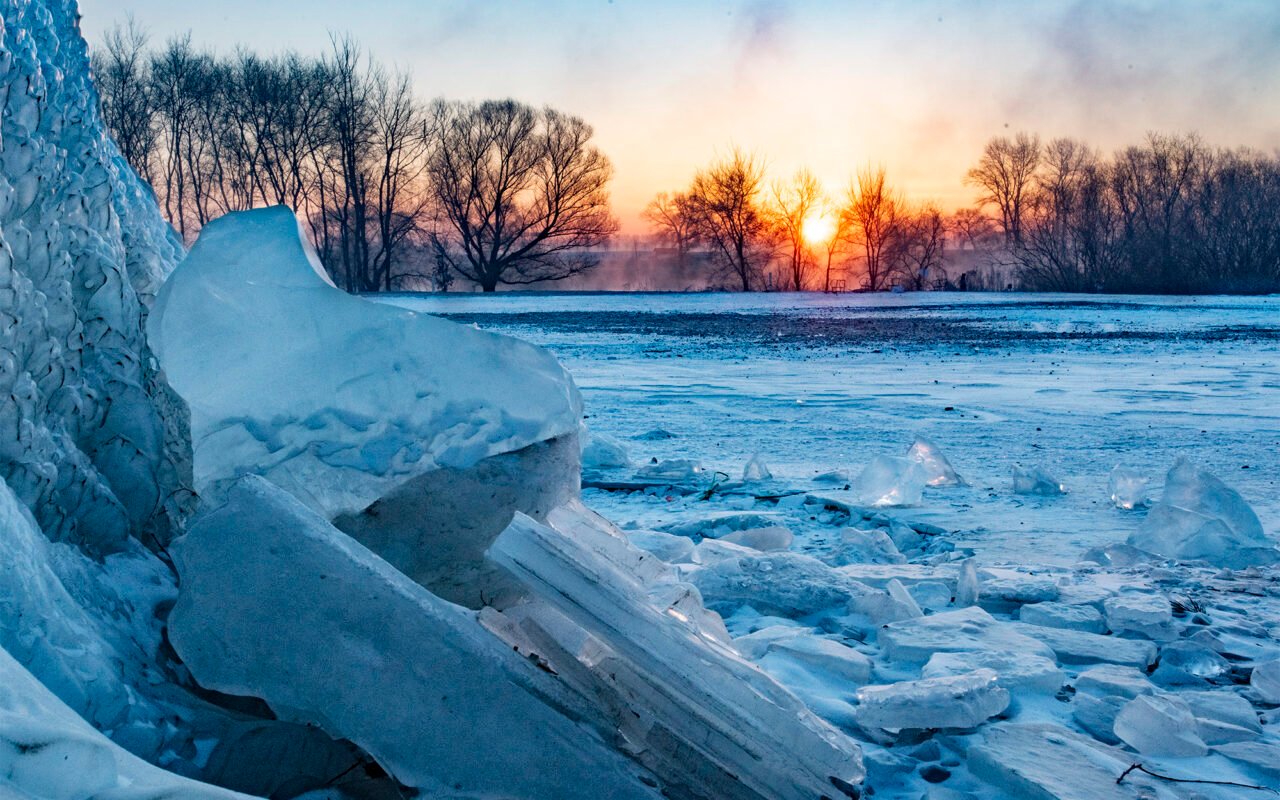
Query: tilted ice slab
336	399
48	751
1199	517
276	603
690	708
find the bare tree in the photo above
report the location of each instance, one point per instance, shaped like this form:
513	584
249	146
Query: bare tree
672	220
873	213
1005	175
838	240
121	71
523	192
791	206
971	229
725	201
918	247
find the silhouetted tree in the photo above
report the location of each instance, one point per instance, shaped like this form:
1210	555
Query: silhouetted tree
791	205
724	200
873	214
1005	174
672	219
522	191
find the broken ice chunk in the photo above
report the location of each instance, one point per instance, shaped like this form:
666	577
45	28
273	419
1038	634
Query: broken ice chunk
1265	680
1187	663
1015	671
956	701
1061	615
834	476
1127	488
890	481
859	546
956	631
937	469
1037	481
968	585
784	583
1114	679
774	537
678	470
756	470
668	547
1157	725
1222	717
602	451
1148	614
1201	518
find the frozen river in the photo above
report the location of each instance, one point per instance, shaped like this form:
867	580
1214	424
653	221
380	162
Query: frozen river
822	382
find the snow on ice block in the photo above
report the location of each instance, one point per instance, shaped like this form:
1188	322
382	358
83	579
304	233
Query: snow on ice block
858	546
703	719
1047	762
937	469
1113	679
1014	671
1073	617
334	398
48	751
890	481
1078	647
962	630
1148	614
819	655
954	701
1036	481
1159	725
786	584
1201	518
276	603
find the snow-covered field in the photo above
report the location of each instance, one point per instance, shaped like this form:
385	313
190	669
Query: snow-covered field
817	383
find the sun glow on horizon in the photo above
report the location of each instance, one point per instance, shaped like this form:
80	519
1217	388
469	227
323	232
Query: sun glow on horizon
818	228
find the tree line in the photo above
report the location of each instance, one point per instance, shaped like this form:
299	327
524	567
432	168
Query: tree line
793	236
390	187
1169	215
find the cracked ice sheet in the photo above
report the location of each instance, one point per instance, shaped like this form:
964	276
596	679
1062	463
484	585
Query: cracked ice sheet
1140	381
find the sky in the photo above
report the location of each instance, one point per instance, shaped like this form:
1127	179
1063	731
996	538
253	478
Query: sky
916	87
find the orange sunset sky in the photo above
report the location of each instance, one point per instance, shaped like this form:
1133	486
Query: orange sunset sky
915	86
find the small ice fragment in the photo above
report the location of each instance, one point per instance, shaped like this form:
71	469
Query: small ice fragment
756	470
775	537
967	585
1127	488
937	469
834	476
890	481
1061	615
1156	725
655	435
859	546
901	596
1187	663
675	470
1036	480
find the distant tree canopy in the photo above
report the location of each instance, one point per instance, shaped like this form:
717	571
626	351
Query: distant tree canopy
391	188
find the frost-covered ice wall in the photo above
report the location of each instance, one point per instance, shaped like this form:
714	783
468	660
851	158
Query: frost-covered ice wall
91	440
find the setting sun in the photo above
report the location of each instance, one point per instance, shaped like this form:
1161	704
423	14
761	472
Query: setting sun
818	228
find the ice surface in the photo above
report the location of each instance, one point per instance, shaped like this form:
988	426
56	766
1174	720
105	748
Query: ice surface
1262	757
962	630
365	653
955	701
1014	671
1199	517
937	469
1127	488
1049	762
352	398
756	470
48	752
890	481
1036	480
1265	680
687	705
1076	617
602	451
1159	725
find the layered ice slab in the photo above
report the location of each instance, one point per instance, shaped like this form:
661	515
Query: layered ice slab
709	723
336	399
276	603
